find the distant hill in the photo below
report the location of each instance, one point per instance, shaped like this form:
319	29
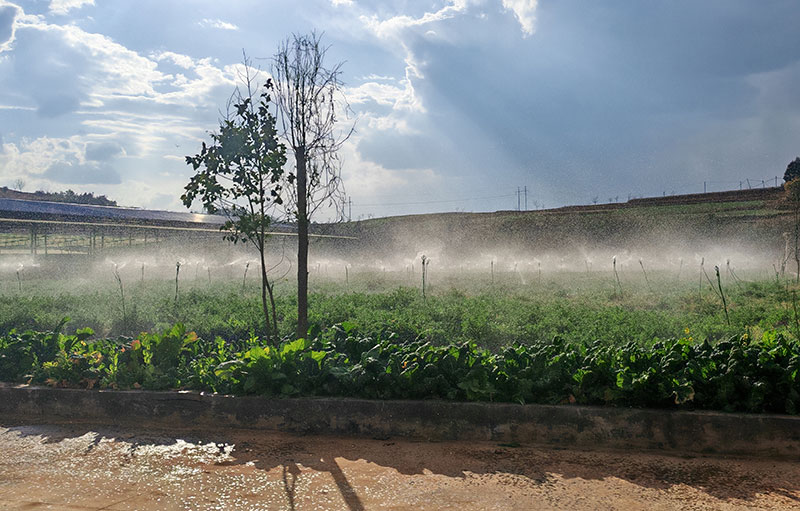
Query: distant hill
66	196
753	221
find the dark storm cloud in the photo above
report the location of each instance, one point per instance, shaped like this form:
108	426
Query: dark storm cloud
614	95
77	174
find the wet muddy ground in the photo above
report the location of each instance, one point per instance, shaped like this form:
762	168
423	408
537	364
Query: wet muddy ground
92	468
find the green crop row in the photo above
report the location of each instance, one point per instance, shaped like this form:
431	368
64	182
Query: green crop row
583	311
736	374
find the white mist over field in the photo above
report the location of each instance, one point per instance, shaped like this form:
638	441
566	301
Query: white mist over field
216	262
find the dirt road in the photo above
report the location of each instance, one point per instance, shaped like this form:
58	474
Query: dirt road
92	468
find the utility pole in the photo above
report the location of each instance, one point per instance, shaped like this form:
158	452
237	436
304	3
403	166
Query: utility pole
350	209
704	187
518	197
526	198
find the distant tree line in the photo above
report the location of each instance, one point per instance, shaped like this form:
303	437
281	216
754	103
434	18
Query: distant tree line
65	196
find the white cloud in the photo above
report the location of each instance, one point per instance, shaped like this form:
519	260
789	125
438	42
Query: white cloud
8	16
105	82
64	6
183	61
30	159
130	107
393	27
378	77
217	23
92	66
337	3
17	107
380	93
525	12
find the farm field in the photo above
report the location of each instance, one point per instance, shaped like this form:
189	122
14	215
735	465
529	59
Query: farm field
706	320
657	339
582	307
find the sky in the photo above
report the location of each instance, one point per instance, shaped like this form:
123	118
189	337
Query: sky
456	104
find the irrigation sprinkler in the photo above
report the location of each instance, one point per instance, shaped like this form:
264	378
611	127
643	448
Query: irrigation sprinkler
19	279
118	278
702	267
492	270
244	279
142	272
177	273
647	281
540	271
208	270
425	262
732	273
680	269
722	295
616	275
346	276
702	271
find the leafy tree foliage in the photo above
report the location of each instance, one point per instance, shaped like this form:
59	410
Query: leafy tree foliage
792	170
240	174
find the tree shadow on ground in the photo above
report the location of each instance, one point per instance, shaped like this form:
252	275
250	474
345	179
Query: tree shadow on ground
725	479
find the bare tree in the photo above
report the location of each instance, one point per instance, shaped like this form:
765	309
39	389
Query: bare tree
19	184
309	99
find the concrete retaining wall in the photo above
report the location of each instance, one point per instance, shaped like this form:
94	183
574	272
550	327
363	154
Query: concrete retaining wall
569	426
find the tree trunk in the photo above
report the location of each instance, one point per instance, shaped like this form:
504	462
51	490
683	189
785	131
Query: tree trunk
797	241
274	313
264	284
302	243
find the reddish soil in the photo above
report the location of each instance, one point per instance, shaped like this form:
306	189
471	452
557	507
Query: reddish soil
91	468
